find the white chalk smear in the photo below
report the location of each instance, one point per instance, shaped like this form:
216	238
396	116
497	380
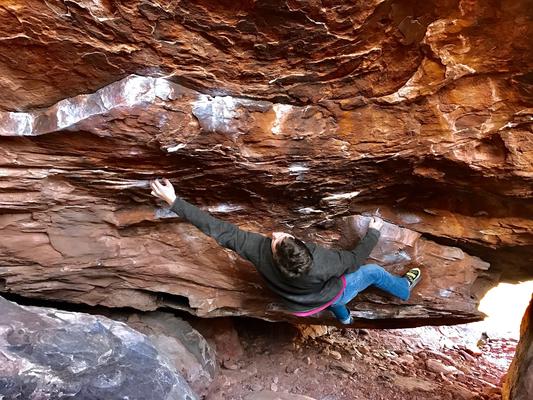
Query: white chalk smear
341	196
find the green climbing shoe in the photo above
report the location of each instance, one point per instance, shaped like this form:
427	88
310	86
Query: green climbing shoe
413	277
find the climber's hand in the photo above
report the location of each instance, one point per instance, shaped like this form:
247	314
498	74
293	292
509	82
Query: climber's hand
163	190
376	223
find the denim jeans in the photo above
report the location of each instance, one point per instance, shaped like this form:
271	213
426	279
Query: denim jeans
365	276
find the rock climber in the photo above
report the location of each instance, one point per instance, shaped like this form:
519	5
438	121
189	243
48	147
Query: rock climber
307	277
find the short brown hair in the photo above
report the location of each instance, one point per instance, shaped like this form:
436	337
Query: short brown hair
292	257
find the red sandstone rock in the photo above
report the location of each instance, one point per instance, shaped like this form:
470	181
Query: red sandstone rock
274	115
518	384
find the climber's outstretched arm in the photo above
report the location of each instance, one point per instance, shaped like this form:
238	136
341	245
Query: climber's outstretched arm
246	244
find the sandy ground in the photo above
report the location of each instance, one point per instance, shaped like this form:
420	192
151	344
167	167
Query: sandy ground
431	363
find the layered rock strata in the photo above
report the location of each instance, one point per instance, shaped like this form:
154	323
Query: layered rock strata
273	115
97	237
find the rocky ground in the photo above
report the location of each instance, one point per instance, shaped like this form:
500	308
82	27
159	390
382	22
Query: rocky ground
259	359
250	359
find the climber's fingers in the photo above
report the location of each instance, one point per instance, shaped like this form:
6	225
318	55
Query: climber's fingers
156	188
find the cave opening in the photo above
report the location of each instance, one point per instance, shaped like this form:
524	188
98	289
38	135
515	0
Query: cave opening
504	306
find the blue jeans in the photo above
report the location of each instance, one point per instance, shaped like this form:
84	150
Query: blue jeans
365	276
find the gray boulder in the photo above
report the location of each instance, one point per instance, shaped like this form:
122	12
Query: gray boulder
51	354
184	346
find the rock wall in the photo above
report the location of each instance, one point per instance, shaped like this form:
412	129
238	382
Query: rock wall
286	115
518	384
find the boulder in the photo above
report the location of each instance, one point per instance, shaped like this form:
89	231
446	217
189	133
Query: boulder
183	345
49	353
273	115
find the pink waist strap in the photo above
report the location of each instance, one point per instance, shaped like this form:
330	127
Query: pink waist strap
324	306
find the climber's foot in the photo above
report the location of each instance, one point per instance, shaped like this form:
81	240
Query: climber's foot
413	277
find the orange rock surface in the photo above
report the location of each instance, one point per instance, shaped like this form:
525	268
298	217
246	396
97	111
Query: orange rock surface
518	384
287	115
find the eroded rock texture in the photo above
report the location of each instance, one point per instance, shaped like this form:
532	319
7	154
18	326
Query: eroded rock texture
519	381
274	115
186	348
51	354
